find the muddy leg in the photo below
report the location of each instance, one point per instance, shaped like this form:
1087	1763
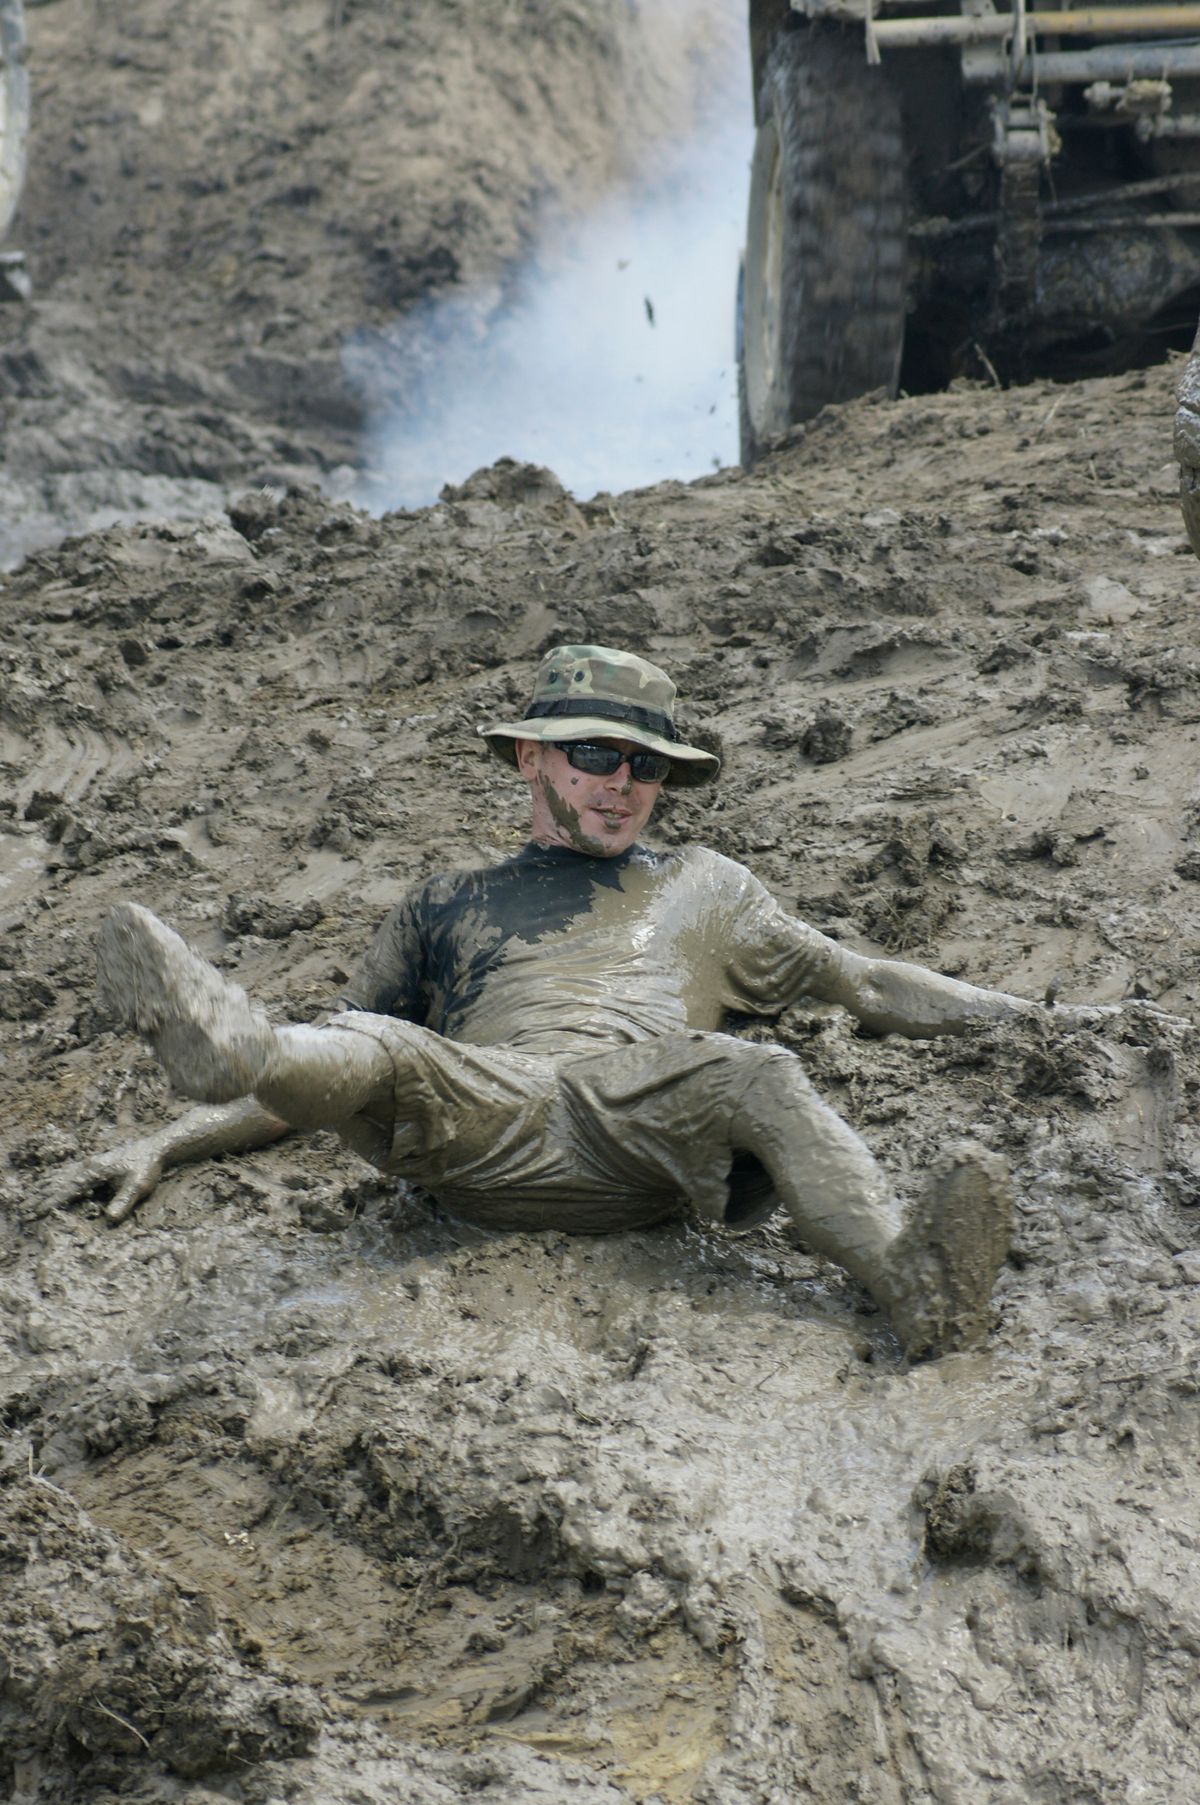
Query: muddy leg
933	1274
826	1177
216	1045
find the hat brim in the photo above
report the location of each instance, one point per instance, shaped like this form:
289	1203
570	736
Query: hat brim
690	765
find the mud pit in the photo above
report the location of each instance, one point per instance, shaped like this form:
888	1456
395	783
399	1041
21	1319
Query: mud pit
312	1493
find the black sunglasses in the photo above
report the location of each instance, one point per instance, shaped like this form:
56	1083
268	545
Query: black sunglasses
602	761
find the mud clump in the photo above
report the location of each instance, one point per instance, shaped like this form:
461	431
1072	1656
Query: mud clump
270	920
104	1661
966	1527
827	737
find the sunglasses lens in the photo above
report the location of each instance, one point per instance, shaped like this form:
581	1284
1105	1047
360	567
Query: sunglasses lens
597	761
602	761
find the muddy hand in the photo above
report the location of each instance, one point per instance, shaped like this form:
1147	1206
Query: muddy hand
131	1171
1094	1015
1187	446
1083	1015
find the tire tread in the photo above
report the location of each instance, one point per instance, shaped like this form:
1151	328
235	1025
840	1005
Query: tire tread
844	247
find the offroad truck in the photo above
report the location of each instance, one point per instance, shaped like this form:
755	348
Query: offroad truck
941	188
14	123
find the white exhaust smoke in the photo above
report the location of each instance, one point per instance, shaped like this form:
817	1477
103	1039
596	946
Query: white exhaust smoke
609	356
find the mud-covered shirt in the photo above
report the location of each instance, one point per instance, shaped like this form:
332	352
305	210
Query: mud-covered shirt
553	952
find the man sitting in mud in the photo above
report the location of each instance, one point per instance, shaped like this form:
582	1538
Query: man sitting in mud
540	1043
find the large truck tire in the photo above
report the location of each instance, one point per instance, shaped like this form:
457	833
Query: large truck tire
1187	445
824	295
14	109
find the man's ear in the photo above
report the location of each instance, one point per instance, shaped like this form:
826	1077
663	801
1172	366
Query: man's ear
528	758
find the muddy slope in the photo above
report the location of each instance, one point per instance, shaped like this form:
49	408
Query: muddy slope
310	1493
229	202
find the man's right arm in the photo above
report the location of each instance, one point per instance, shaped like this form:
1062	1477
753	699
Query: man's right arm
133	1168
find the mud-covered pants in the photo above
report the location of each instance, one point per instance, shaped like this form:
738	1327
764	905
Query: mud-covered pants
702	1123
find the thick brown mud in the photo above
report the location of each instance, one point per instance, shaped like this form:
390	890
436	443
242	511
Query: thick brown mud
310	1492
304	1479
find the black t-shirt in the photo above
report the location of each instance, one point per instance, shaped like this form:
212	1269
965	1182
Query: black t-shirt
556	952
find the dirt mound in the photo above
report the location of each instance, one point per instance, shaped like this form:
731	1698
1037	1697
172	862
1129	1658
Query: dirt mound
310	1492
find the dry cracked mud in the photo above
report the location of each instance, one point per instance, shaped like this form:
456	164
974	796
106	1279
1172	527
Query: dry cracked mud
310	1493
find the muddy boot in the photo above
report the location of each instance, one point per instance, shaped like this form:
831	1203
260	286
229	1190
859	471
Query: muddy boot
214	1045
1187	446
941	1268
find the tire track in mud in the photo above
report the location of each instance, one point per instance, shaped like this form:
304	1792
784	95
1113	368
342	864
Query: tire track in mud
66	762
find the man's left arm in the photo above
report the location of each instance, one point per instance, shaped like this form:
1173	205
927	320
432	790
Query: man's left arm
773	959
890	996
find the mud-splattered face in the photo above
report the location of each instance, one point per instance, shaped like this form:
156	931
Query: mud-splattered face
597	815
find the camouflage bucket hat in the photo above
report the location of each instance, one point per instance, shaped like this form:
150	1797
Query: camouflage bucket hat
592	692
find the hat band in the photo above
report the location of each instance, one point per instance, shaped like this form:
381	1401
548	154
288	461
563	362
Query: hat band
652	719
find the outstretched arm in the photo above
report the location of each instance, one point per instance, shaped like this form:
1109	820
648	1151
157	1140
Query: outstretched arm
772	958
134	1167
889	996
